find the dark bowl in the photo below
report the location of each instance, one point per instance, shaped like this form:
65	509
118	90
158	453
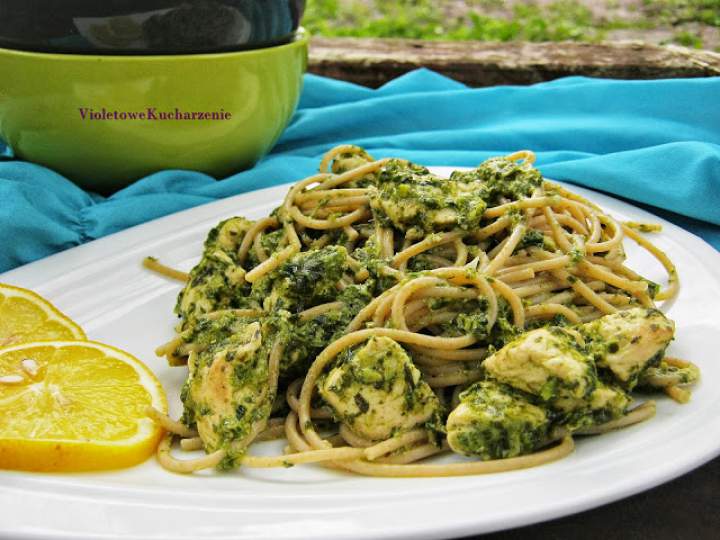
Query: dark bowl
147	26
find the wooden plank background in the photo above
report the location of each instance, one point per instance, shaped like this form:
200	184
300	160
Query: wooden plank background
373	62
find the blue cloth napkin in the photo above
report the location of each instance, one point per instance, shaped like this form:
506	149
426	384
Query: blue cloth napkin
653	142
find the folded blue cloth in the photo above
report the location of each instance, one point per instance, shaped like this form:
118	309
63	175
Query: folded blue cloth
653	142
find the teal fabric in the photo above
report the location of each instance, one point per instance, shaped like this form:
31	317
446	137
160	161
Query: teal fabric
652	142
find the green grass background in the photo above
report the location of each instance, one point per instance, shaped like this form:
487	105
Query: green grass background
496	20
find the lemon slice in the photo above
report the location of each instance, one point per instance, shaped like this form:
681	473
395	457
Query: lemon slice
75	406
26	316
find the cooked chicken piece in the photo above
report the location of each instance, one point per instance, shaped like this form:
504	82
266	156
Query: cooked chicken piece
217	281
378	392
351	160
495	421
613	401
227	393
628	341
606	402
558	365
546	363
307	279
410	198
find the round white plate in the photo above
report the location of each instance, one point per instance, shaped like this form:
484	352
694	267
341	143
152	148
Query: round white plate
104	288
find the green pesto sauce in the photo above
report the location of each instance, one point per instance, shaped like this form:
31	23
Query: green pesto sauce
495	421
564	376
217	281
653	288
208	333
374	388
472	318
307	279
351	160
608	336
271	242
305	339
618	352
531	238
663	374
607	402
412	199
500	178
227	393
377	391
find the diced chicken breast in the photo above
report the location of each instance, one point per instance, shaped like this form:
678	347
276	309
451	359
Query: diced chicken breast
218	278
378	392
494	421
546	363
629	341
228	390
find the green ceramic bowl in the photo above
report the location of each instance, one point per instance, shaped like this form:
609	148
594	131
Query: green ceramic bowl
105	121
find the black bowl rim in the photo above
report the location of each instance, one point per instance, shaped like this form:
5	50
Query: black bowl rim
299	37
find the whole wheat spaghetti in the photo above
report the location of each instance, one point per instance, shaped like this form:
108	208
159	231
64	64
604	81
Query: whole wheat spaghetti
382	315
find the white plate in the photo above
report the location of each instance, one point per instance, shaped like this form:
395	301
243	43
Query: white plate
104	288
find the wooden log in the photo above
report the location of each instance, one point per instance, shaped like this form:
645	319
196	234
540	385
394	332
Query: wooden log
373	62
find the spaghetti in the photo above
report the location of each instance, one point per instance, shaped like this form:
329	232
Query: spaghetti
377	284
